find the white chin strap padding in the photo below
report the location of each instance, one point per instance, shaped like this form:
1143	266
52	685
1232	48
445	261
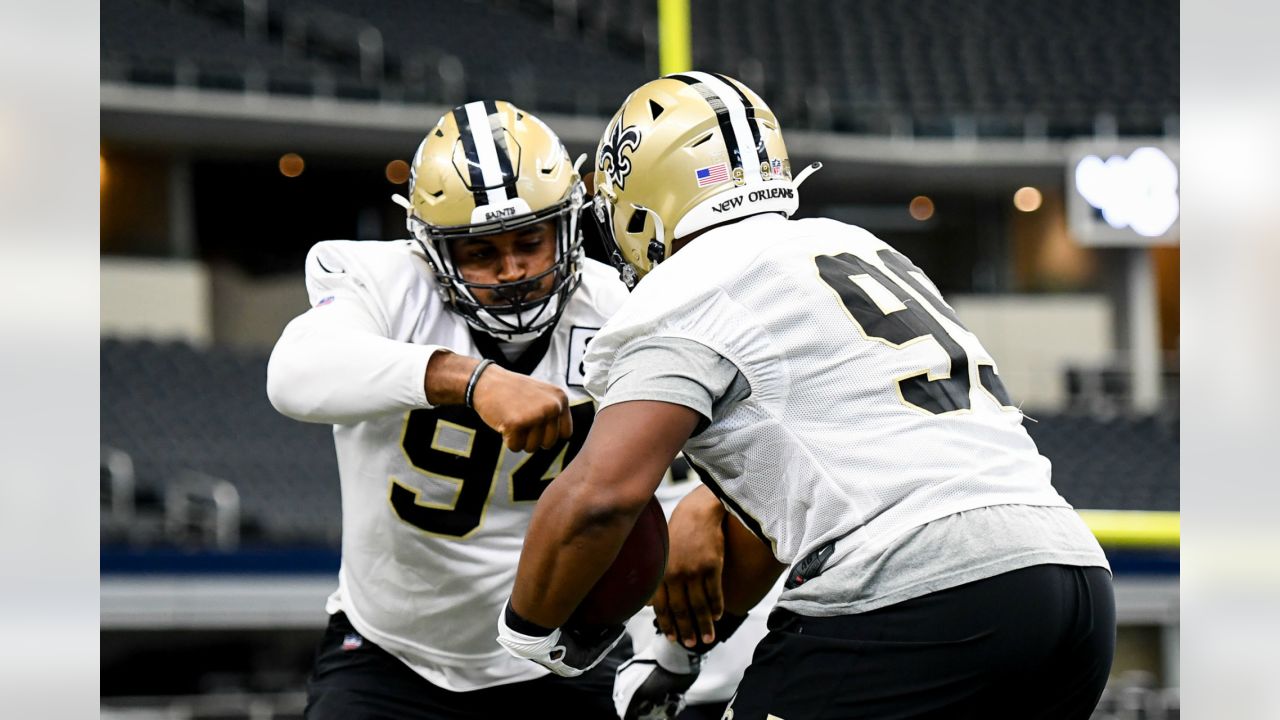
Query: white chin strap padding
402	201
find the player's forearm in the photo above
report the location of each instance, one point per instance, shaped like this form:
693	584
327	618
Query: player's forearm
344	377
588	511
572	539
750	568
447	377
701	506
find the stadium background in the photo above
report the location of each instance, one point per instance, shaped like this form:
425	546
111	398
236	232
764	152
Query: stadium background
236	133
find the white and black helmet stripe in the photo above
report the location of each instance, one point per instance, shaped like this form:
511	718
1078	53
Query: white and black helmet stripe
487	151
762	153
476	175
500	146
476	130
731	113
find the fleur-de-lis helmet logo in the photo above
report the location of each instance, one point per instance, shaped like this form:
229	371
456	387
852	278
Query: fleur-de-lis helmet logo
613	162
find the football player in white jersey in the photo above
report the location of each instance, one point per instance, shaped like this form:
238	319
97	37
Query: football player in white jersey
449	365
856	432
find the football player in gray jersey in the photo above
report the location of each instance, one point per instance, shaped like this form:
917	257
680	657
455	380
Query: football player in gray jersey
850	430
449	366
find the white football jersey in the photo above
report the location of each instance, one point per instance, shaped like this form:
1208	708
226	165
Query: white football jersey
872	409
434	506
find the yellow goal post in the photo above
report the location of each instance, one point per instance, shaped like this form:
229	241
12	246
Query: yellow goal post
1135	529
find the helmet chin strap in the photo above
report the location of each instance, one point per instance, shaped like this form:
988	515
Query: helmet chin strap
523	317
403	202
657	251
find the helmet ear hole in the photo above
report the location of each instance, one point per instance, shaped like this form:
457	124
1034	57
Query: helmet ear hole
636	224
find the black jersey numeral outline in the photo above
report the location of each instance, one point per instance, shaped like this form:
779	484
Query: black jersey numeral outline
477	469
936	393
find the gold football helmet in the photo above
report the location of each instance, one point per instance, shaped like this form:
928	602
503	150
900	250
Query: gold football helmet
685	152
489	167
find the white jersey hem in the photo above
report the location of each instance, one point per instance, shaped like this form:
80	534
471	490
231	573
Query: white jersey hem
448	671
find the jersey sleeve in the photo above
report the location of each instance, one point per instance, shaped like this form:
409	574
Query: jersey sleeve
336	363
674	370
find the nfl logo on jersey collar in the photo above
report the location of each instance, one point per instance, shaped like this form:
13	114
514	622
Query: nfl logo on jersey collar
352	642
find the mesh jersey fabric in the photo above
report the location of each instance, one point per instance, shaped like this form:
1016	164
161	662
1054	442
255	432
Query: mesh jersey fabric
950	551
434	507
826	446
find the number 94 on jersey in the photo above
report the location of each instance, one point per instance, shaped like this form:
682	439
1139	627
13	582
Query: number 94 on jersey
452	445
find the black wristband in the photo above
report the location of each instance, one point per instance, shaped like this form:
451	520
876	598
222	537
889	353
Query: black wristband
475	378
522	626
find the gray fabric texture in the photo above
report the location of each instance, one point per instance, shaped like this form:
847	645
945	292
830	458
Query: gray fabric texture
675	370
947	552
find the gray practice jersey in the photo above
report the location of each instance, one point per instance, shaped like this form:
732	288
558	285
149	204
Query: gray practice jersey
847	404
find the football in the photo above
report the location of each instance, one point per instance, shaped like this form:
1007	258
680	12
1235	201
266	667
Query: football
634	575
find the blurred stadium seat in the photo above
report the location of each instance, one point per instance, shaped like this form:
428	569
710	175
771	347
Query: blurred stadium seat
174	410
366	49
170	409
1133	696
149	42
1112	463
929	68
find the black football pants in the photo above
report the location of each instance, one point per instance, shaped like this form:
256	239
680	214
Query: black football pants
368	683
1032	643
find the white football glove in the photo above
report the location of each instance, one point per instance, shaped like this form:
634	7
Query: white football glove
567	652
651	685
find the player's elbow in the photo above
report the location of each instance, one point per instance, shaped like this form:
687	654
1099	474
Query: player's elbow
612	508
280	388
603	516
287	382
606	499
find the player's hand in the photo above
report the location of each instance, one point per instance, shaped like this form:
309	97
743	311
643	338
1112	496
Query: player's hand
690	598
651	685
529	413
567	652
